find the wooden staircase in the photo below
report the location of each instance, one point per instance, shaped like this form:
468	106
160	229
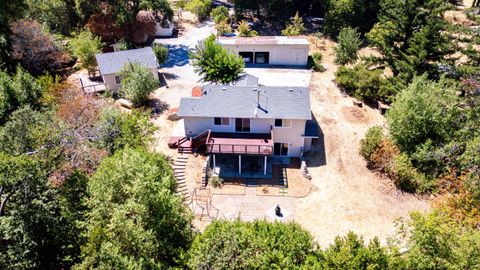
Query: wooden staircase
179	173
188	146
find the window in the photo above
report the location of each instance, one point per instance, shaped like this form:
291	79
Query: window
118	80
221	121
280	149
242	124
283	123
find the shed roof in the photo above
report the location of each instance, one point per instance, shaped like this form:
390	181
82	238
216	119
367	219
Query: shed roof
248	102
263	40
111	63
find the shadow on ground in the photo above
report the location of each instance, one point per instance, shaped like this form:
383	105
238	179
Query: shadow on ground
316	157
177	56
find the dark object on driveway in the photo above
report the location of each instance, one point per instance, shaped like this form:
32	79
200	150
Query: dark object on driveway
278	211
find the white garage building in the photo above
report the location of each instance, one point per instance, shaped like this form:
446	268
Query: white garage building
268	50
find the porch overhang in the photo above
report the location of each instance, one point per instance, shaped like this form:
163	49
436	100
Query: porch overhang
240	144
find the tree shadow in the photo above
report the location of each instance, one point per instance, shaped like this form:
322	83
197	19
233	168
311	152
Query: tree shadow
158	107
164	76
177	55
316	157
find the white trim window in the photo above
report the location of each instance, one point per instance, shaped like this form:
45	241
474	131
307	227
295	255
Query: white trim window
283	123
118	79
221	121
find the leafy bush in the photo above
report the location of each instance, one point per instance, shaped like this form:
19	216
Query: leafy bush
201	8
245	31
214	63
295	27
364	84
350	252
424	111
137	83
216	181
223	28
161	52
403	174
122	45
117	130
219	14
84	46
250	245
315	62
371	143
348	44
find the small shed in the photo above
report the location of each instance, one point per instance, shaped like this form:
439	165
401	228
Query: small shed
268	50
110	64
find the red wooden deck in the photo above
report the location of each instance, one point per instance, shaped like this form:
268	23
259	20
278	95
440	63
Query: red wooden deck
240	143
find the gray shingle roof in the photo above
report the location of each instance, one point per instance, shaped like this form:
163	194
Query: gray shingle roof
111	63
241	102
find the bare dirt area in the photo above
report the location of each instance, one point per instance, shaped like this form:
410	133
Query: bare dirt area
346	195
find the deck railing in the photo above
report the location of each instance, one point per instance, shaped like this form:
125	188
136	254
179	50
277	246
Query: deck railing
239	149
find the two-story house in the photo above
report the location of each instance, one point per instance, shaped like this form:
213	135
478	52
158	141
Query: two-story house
256	123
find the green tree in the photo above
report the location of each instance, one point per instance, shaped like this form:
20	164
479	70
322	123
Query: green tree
424	111
435	242
223	28
250	245
57	16
161	52
348	44
137	83
361	14
363	83
350	252
135	221
295	27
214	63
201	8
219	14
35	231
84	46
116	130
411	36
245	31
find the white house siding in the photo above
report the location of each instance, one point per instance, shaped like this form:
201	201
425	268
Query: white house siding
292	135
197	125
111	84
280	54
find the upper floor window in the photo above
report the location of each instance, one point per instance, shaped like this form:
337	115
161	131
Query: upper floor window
283	123
118	79
221	121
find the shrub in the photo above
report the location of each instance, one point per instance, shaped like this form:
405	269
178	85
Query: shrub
219	14
250	245
348	44
403	174
214	63
295	27
371	143
84	46
161	52
223	28
117	130
201	8
315	62
364	84
245	31
137	83
216	181
122	45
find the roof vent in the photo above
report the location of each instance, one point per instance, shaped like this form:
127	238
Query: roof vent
290	90
224	88
255	89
